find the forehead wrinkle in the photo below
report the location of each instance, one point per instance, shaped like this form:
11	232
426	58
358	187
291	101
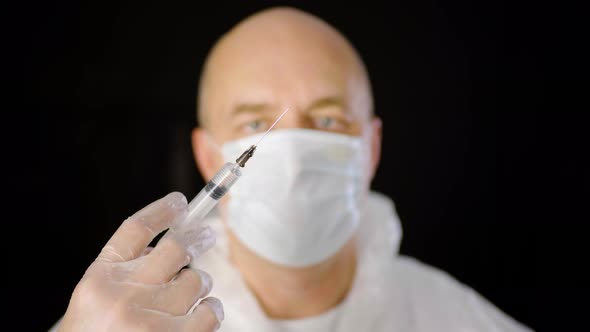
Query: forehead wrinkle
273	30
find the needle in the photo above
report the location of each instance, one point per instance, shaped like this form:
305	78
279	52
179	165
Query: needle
248	153
276	121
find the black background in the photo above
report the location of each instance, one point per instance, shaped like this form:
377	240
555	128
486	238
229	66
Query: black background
109	101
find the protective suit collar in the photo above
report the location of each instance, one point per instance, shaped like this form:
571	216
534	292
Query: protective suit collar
379	237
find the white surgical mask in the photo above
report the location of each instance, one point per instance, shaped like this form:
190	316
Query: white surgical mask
299	200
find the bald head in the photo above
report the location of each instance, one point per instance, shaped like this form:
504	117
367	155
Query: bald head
278	58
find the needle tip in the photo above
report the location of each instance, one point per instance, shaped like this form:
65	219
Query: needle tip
272	126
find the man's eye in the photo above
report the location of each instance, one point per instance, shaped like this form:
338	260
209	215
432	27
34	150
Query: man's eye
330	123
326	122
254	126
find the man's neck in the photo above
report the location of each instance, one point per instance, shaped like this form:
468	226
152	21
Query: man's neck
289	293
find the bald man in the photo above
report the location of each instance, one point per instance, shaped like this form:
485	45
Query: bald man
302	243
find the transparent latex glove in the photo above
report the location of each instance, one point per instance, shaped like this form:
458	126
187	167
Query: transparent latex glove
133	287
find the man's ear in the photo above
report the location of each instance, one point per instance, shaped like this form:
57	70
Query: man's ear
376	126
206	156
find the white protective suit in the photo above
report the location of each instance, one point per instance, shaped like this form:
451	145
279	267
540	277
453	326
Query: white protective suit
390	292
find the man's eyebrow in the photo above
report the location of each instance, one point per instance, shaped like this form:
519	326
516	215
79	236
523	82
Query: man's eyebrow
249	108
325	102
262	107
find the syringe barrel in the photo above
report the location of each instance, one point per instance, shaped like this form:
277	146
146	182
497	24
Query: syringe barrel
209	196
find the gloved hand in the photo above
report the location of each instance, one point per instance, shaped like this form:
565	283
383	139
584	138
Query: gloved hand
130	287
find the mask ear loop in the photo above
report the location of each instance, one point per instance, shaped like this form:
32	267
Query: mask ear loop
218	148
367	154
211	141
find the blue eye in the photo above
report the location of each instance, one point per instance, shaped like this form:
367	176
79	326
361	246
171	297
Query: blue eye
326	122
255	125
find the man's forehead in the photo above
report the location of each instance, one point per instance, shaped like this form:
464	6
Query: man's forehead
302	90
270	61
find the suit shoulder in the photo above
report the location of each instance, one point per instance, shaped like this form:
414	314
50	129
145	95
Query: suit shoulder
437	293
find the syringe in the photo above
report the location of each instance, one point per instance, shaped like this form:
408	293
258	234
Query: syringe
219	185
